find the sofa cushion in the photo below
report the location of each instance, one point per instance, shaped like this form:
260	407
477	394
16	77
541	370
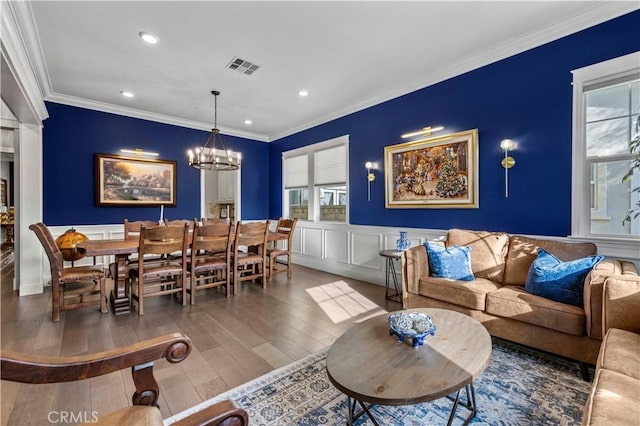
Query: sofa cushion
557	280
620	351
523	251
515	303
488	251
613	400
452	262
470	294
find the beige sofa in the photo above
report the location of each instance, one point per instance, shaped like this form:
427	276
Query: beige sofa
615	393
497	297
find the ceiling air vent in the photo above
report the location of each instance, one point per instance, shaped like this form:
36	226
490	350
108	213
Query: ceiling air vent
240	65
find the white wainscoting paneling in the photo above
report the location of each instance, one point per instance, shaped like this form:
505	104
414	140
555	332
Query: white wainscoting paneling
336	246
347	250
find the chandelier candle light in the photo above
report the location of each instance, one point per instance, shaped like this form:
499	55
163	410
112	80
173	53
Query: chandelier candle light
213	155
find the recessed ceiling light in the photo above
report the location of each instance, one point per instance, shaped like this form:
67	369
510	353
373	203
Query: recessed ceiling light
303	93
248	122
149	38
127	94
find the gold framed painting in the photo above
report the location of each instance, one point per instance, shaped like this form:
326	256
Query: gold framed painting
437	172
125	181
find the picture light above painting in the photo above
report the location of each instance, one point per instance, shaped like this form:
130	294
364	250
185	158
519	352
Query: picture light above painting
437	172
125	181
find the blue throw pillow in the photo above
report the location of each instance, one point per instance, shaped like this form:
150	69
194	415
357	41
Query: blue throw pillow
557	280
452	262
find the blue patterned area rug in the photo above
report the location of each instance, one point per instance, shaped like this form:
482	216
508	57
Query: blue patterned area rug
519	387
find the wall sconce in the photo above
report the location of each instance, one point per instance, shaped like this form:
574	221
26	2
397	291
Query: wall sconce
370	176
426	131
139	151
507	162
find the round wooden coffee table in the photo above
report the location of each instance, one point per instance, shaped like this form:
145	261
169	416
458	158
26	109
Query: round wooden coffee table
371	367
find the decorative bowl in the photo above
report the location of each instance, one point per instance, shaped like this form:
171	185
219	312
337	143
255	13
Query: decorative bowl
415	325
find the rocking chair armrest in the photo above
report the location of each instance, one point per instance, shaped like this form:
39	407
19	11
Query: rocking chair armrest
223	413
28	368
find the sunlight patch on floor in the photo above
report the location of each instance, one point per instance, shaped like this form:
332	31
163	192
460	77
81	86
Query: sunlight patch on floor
340	302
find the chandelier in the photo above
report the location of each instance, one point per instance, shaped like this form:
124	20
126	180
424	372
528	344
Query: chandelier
213	155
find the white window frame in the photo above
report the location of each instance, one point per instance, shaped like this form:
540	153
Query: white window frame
313	201
583	78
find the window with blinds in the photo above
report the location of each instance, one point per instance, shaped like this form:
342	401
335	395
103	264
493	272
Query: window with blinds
315	181
606	119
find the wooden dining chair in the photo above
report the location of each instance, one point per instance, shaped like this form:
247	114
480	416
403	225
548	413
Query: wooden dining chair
139	357
249	265
210	260
74	286
212	220
180	222
276	254
132	229
159	278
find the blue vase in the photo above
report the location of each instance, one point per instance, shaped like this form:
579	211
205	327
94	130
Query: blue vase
403	242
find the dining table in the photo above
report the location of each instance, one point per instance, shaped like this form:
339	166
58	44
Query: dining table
121	248
120	298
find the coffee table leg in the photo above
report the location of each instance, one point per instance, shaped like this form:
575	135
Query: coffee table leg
470	405
355	415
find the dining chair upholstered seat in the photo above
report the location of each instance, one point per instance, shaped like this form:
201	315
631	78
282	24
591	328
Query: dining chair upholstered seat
165	277
139	358
276	254
73	286
210	259
250	265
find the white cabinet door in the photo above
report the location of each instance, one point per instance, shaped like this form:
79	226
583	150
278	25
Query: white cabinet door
226	186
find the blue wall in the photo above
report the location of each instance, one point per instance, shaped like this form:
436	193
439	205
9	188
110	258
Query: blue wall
527	97
72	136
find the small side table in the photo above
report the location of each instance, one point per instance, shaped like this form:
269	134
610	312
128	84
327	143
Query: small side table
390	269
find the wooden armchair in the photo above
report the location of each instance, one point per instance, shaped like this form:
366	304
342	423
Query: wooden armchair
71	287
35	369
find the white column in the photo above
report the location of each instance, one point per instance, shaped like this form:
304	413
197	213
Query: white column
28	159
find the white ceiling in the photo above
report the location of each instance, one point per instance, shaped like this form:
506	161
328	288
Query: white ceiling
348	55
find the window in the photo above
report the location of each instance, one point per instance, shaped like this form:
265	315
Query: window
315	181
606	109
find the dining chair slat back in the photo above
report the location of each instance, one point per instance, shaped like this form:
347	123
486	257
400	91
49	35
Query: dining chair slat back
250	265
282	255
210	259
168	276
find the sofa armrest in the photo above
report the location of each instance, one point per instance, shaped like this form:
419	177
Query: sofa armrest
414	266
593	289
621	303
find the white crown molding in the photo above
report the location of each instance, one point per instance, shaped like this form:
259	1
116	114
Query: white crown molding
145	115
17	56
591	17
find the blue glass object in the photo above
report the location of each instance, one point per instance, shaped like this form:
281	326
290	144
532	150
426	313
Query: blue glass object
403	243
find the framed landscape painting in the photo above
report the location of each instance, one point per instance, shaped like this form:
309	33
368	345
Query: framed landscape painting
437	172
124	181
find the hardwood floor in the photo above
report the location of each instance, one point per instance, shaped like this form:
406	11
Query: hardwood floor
236	339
